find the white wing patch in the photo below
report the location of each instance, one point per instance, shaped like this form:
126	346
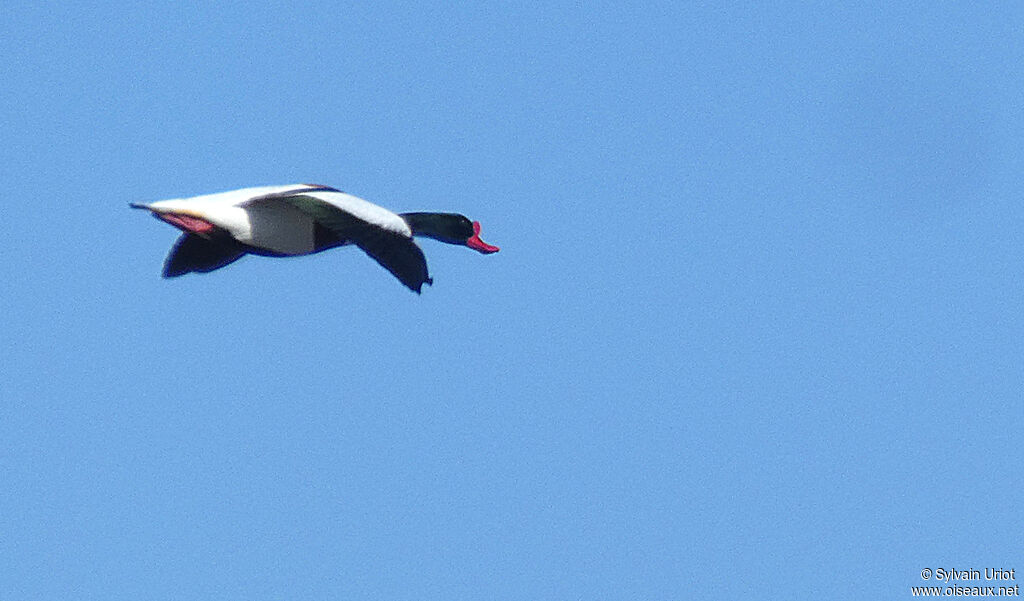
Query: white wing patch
365	211
233	197
279	227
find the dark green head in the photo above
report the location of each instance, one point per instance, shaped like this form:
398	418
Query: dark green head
450	228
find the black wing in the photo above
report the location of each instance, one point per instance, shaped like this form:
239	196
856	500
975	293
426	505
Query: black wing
397	254
195	253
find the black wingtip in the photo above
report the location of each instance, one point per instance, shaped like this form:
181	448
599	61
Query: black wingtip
418	289
136	205
171	270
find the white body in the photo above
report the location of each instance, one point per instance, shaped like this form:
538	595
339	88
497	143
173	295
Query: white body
272	224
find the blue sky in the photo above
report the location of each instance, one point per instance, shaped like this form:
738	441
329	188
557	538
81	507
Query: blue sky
755	330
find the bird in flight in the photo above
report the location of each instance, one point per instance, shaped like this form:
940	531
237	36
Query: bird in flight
302	219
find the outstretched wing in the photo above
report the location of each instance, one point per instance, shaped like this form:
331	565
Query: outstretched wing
378	232
341	213
397	254
195	253
342	225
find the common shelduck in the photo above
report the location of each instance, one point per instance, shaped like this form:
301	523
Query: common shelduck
301	219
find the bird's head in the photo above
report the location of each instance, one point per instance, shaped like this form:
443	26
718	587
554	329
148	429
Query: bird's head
450	228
